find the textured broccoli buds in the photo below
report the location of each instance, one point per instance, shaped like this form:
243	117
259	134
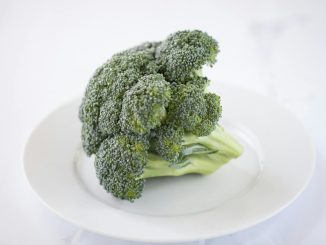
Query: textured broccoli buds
119	163
187	107
146	113
101	106
211	116
144	105
167	142
108	121
184	52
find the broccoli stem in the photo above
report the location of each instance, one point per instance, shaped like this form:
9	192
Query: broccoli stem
217	140
201	155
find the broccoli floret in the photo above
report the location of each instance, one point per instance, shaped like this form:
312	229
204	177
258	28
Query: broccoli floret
187	106
167	142
184	52
146	113
91	138
108	121
144	105
197	80
194	110
211	117
106	90
120	163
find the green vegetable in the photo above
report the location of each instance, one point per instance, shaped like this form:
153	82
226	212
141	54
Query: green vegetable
146	113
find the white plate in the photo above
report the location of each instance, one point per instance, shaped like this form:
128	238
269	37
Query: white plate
276	166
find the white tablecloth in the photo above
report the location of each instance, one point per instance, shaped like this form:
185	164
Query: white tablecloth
49	49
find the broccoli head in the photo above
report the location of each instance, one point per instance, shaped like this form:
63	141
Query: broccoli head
187	107
119	163
146	113
166	141
185	52
144	105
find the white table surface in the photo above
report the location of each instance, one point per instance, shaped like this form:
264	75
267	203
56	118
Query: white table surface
49	49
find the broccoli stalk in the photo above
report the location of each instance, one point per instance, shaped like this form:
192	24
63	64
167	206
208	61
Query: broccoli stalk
200	155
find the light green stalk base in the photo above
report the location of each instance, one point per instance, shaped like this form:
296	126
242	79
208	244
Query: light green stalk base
202	155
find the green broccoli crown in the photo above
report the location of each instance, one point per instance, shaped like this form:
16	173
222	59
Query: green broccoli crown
101	106
184	52
187	107
197	80
144	105
120	163
166	141
145	109
211	116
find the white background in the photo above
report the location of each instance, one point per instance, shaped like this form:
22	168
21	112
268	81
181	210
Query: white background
48	50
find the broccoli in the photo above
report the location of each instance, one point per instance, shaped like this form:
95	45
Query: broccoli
119	163
144	105
146	113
